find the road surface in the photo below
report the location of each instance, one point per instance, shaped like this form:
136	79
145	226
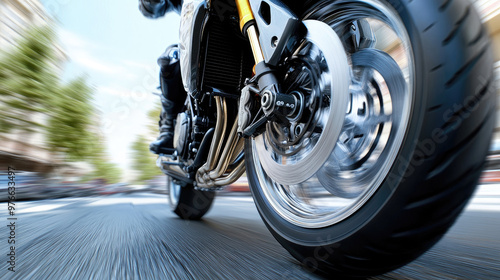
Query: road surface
135	236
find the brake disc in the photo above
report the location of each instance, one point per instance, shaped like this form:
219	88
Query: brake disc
286	160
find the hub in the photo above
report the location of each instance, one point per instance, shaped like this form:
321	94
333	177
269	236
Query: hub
310	116
279	104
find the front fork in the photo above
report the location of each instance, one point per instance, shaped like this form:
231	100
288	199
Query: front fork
217	171
278	28
247	26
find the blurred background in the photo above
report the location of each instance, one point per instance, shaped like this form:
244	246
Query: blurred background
77	108
77	114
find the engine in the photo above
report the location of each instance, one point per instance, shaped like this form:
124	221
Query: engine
215	61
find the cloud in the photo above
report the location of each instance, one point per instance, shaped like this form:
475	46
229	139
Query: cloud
86	54
72	40
88	61
113	91
143	65
125	93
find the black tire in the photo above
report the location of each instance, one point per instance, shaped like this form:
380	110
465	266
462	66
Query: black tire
440	159
189	204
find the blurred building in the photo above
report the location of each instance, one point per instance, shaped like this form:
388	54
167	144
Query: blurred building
26	151
15	16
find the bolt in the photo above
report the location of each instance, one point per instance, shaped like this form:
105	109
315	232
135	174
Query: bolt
266	100
298	130
274	42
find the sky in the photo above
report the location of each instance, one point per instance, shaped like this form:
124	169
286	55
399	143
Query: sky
116	48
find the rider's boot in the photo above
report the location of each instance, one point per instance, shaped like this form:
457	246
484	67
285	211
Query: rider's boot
172	100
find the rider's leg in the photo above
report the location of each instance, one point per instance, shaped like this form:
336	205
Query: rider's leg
172	99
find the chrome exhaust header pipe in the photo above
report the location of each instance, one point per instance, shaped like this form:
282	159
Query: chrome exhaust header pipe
211	174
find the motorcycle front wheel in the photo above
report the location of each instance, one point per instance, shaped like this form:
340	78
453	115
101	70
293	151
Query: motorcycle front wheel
398	109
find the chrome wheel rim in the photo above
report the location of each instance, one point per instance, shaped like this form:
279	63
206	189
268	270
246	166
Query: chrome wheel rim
374	119
293	152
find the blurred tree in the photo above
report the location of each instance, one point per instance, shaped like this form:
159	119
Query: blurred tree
106	170
69	129
27	80
30	88
103	169
154	117
144	162
33	98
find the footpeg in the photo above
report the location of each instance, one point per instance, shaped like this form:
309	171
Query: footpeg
166	151
156	149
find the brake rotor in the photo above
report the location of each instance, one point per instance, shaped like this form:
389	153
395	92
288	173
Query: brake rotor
290	155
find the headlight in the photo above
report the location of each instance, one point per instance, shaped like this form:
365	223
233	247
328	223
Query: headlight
193	14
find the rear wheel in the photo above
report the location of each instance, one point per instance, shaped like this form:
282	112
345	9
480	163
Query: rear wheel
369	191
187	202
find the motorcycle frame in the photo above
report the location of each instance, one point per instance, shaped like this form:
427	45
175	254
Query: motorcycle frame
211	174
268	21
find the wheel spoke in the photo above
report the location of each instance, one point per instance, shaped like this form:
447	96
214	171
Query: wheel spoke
372	121
384	64
376	120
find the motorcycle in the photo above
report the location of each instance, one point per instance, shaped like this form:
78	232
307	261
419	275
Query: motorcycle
362	125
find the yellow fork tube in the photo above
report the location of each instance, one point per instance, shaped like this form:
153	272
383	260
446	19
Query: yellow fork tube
245	12
248	21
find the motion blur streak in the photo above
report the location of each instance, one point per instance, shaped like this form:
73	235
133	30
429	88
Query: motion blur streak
135	236
48	124
75	221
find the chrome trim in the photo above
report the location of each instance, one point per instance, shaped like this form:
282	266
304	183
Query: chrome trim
211	174
228	151
239	147
220	129
233	176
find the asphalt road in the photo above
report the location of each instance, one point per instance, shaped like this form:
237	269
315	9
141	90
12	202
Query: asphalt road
137	237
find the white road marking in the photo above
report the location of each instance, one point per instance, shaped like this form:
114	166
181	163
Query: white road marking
486	198
128	200
41	208
235	198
